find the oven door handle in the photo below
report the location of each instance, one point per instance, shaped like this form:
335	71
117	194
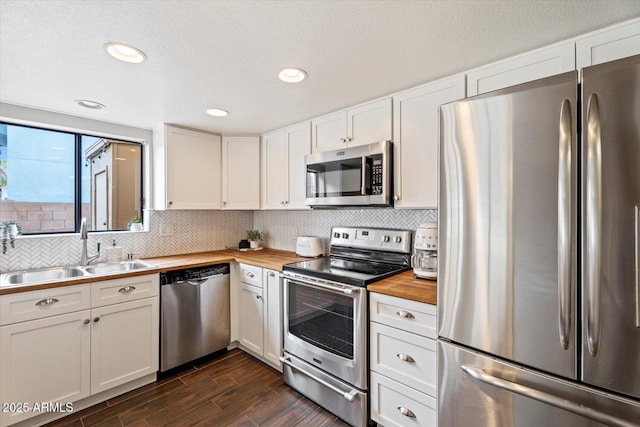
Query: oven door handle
349	395
324	285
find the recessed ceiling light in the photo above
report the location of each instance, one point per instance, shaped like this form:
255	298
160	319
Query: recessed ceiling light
217	112
125	52
90	104
292	75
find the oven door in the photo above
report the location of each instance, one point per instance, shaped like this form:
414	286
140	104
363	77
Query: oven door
325	324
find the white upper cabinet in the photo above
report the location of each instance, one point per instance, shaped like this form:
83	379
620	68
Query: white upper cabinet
241	172
283	167
299	140
415	136
359	125
619	41
556	59
186	169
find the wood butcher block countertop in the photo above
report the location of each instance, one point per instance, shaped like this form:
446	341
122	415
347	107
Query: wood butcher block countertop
406	285
268	258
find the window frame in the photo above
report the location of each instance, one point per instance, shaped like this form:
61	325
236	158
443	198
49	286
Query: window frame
78	165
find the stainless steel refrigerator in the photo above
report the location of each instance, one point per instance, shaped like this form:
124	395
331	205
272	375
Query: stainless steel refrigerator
538	281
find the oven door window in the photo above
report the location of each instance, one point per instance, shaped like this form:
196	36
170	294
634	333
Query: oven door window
335	179
322	318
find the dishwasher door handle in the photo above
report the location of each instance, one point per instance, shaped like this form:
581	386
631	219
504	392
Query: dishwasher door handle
203	279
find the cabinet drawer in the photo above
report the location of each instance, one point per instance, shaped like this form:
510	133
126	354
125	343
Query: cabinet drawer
408	315
251	274
389	399
122	290
23	306
408	358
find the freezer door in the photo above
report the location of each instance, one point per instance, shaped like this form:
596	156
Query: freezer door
476	390
611	226
507	228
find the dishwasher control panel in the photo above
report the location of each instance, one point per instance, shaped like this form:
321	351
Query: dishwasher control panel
196	273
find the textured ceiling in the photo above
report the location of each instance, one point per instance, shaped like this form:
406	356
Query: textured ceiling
204	54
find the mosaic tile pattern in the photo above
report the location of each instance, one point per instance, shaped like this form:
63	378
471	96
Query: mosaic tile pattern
194	231
198	231
283	227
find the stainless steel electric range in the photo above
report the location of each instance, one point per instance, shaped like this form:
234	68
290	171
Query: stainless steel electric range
326	317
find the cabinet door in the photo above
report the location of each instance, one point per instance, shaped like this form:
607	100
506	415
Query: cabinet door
45	360
272	317
241	172
299	140
251	318
556	59
192	169
370	123
329	132
613	43
124	343
275	165
415	141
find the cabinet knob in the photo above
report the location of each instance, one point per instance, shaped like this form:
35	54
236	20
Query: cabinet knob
259	296
406	412
96	319
170	202
396	197
126	289
272	274
86	321
250	274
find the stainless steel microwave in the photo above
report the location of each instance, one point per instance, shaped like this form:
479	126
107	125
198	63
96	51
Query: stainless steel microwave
353	176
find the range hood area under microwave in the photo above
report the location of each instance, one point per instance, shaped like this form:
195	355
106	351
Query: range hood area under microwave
354	176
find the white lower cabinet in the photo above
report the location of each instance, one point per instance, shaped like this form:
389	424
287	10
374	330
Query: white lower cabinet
124	343
58	347
403	362
259	313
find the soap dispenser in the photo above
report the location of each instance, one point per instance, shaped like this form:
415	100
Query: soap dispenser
113	253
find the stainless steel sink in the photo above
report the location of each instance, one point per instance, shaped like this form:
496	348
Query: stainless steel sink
44	275
28	277
115	268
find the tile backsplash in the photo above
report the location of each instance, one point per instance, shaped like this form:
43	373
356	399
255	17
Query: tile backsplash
283	227
199	231
193	231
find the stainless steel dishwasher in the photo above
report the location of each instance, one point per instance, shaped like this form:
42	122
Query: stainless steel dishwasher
194	318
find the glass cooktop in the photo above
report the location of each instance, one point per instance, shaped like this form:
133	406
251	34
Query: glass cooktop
358	273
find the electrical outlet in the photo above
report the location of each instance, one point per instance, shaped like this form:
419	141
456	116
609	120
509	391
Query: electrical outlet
166	229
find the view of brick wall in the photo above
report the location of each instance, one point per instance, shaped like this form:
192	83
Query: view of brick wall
36	217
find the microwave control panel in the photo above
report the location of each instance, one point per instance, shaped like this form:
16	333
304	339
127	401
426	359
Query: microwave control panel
376	174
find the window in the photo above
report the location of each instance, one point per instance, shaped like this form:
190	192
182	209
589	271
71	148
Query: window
50	180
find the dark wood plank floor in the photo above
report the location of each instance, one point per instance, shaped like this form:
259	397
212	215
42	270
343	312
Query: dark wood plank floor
233	389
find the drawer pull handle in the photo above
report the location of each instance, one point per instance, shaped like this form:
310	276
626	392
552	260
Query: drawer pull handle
405	314
406	412
405	357
47	301
127	289
250	274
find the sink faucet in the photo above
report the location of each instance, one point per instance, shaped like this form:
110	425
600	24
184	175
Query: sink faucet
85	259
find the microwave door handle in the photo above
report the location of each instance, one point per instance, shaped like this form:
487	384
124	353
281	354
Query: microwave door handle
363	186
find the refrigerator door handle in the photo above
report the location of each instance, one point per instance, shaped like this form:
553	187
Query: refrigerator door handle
637	264
544	397
593	223
564	223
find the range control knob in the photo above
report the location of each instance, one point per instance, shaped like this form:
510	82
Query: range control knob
345	235
336	235
398	239
386	238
